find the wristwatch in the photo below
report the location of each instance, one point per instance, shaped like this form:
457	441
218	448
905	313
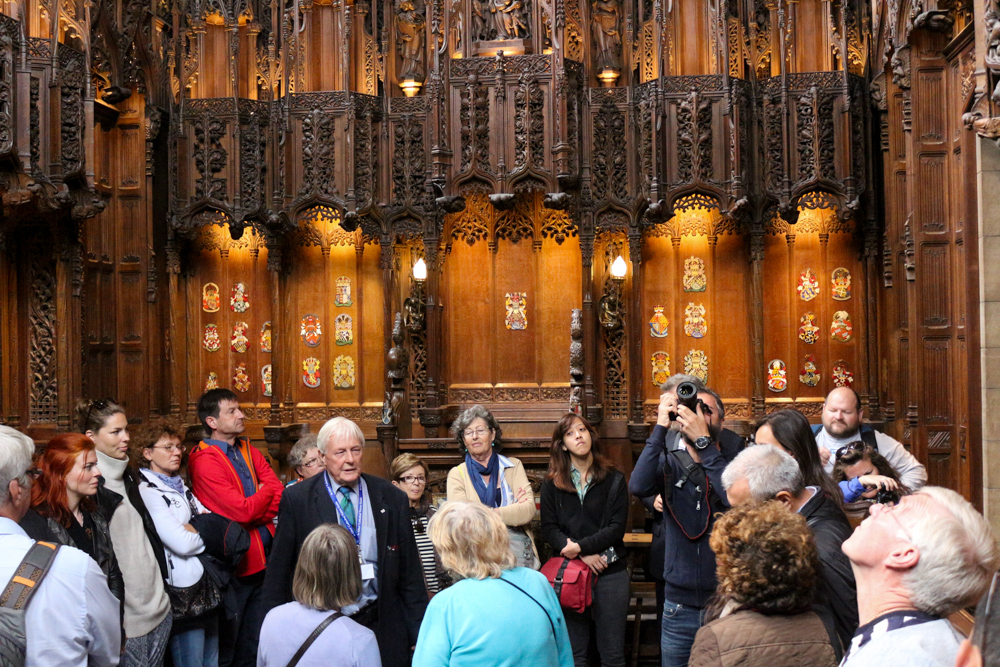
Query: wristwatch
703	442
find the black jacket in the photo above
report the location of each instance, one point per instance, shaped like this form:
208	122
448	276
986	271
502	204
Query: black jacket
595	524
47	529
689	512
837	590
402	596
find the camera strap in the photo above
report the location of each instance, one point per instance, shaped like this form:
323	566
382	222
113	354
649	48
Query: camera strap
694	473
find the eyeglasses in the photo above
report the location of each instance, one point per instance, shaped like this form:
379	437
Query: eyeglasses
891	508
33	473
983	624
856	446
478	433
314	462
171	448
413	479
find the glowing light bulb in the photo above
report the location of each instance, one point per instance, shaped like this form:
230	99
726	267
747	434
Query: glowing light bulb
619	268
420	270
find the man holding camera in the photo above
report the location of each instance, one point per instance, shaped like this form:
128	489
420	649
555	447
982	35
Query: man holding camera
683	462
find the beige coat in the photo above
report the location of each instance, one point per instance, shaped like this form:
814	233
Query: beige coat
748	638
517	515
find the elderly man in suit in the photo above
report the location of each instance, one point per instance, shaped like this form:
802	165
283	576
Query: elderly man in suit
377	515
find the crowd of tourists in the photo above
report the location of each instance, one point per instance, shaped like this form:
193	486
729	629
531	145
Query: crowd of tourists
110	556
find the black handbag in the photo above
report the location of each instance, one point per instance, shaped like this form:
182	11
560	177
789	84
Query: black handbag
194	601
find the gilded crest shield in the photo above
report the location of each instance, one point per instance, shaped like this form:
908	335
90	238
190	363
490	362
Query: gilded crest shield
808	288
210	298
696	364
661	367
840	281
310	372
809	375
658	323
694	320
777	379
343	297
694	275
842	375
265	380
310	330
241	381
240	341
344	329
211	341
212	381
808	331
517	307
343	372
841	330
265	337
240	300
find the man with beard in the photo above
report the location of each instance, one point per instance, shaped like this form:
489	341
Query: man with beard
842	416
684	466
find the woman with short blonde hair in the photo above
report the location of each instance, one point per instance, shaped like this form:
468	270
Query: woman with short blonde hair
327	578
521	624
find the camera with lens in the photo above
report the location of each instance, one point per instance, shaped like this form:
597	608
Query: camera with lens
687	395
886	497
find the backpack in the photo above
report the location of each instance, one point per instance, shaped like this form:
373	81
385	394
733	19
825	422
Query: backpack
866	433
15	598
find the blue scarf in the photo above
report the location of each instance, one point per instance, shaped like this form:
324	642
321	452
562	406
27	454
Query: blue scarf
174	482
488	493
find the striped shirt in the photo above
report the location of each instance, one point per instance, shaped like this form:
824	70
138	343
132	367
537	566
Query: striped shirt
426	551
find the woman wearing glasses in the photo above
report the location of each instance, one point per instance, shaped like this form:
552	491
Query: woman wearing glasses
137	546
194	639
497	481
305	459
409	474
64	504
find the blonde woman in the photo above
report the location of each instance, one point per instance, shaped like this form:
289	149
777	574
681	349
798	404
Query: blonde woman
327	578
495	613
494	480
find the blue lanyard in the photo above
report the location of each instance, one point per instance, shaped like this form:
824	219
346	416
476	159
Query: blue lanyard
358	517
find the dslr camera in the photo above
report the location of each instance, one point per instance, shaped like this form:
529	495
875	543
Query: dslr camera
687	395
886	497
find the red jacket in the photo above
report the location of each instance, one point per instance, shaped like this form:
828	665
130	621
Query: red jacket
215	483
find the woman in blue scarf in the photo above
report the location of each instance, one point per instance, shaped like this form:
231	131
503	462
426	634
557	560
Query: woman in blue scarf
497	481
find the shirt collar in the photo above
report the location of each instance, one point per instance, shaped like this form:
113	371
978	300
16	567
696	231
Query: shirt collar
336	487
10	527
221	444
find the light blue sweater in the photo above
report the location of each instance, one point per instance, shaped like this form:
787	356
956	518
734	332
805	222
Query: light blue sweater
489	623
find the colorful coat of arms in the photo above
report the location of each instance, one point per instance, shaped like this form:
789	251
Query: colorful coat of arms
343	372
809	375
344	329
517	311
658	323
841	329
696	364
310	372
240	341
210	298
265	337
840	281
212	381
211	341
310	330
842	375
343	297
808	288
241	381
777	378
694	275
661	368
240	300
808	331
694	320
265	380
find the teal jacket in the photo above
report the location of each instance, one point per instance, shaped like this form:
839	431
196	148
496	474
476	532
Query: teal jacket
489	623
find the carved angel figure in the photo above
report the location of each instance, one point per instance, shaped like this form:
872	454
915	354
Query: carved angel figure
397	360
410	26
606	16
509	19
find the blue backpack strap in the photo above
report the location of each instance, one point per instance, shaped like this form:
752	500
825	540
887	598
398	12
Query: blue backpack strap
816	428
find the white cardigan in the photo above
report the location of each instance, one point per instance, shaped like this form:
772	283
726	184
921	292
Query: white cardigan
170	511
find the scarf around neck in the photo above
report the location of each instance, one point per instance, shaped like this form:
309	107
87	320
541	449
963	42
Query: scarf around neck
488	493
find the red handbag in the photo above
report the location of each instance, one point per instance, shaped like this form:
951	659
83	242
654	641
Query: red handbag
572	581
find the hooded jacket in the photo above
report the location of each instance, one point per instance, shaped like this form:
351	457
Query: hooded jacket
170	511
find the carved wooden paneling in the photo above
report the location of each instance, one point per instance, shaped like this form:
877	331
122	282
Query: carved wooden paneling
935	278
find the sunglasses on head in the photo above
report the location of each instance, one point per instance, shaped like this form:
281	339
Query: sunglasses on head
856	446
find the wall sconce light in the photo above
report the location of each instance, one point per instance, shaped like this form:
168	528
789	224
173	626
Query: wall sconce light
608	77
609	308
410	87
415	305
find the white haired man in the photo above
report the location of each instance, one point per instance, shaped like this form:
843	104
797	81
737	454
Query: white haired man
765	473
377	515
915	563
72	619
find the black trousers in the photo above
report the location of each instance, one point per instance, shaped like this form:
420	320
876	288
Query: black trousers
238	637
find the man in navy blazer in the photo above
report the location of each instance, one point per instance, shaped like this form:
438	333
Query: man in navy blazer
377	515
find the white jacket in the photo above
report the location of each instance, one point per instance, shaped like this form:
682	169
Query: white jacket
170	511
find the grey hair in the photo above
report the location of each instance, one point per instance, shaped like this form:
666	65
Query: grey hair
678	378
958	555
470	415
336	428
16	452
297	456
768	471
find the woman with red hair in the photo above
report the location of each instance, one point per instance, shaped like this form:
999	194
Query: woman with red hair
63	505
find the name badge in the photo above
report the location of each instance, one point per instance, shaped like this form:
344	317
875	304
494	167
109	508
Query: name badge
367	571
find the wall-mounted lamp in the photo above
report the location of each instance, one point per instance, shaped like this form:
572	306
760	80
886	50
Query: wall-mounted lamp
420	270
609	308
410	87
415	305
